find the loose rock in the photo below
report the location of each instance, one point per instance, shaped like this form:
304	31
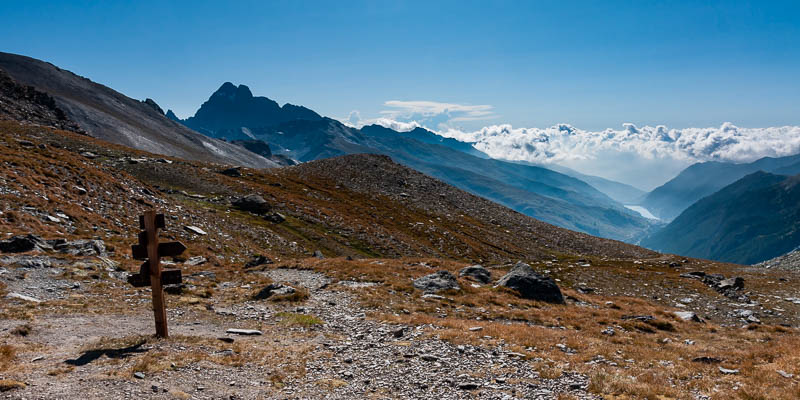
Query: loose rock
442	280
252	203
476	272
530	285
247	332
195	230
23	243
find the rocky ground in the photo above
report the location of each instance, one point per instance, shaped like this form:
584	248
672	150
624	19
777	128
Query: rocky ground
356	283
344	353
789	260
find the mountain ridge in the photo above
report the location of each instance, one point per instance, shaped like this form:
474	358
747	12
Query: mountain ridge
751	220
106	114
702	179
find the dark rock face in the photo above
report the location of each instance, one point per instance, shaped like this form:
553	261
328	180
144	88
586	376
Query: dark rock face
171	115
256	146
258	260
232	107
530	285
234	172
476	272
28	105
150	102
23	243
252	203
442	280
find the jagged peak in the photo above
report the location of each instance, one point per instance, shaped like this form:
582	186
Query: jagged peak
230	90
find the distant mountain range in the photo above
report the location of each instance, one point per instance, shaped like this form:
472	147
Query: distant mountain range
702	179
109	115
751	220
623	193
233	113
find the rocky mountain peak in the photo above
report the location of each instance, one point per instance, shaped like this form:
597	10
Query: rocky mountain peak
233	107
230	91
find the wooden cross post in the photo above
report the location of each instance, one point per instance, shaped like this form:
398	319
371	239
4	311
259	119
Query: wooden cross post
150	272
159	308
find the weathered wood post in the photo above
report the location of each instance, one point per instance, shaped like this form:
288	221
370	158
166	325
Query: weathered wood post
159	308
150	272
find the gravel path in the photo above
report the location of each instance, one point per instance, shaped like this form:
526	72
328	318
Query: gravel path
350	357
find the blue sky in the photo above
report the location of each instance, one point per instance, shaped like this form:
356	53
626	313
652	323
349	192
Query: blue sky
592	64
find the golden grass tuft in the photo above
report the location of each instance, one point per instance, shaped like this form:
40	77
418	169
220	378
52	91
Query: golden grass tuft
10	384
303	320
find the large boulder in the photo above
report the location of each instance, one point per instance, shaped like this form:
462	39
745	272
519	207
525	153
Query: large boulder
23	243
476	272
530	285
252	203
442	280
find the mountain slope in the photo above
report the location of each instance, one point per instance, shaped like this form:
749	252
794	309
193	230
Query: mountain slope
106	114
790	260
550	196
623	193
751	220
702	179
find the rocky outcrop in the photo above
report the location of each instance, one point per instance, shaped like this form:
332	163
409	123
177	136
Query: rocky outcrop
23	243
252	203
730	287
477	273
274	289
439	281
30	242
83	247
530	285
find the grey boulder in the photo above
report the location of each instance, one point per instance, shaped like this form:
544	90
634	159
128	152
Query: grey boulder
476	272
441	280
530	285
252	203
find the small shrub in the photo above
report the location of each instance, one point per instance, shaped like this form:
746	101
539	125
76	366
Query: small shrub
299	319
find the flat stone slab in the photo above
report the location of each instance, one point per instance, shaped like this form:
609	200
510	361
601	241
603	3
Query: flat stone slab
249	332
23	297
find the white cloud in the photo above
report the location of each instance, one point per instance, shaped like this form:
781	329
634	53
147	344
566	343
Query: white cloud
428	109
643	156
354	120
564	142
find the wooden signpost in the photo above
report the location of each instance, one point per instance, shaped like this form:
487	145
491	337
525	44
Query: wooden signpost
150	273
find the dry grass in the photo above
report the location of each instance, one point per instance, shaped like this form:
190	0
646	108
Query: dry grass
22	330
642	360
10	384
7	356
302	320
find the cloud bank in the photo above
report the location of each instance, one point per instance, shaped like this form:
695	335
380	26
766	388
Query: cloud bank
642	156
566	143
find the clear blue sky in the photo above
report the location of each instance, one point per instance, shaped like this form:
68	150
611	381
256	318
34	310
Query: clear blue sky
593	64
